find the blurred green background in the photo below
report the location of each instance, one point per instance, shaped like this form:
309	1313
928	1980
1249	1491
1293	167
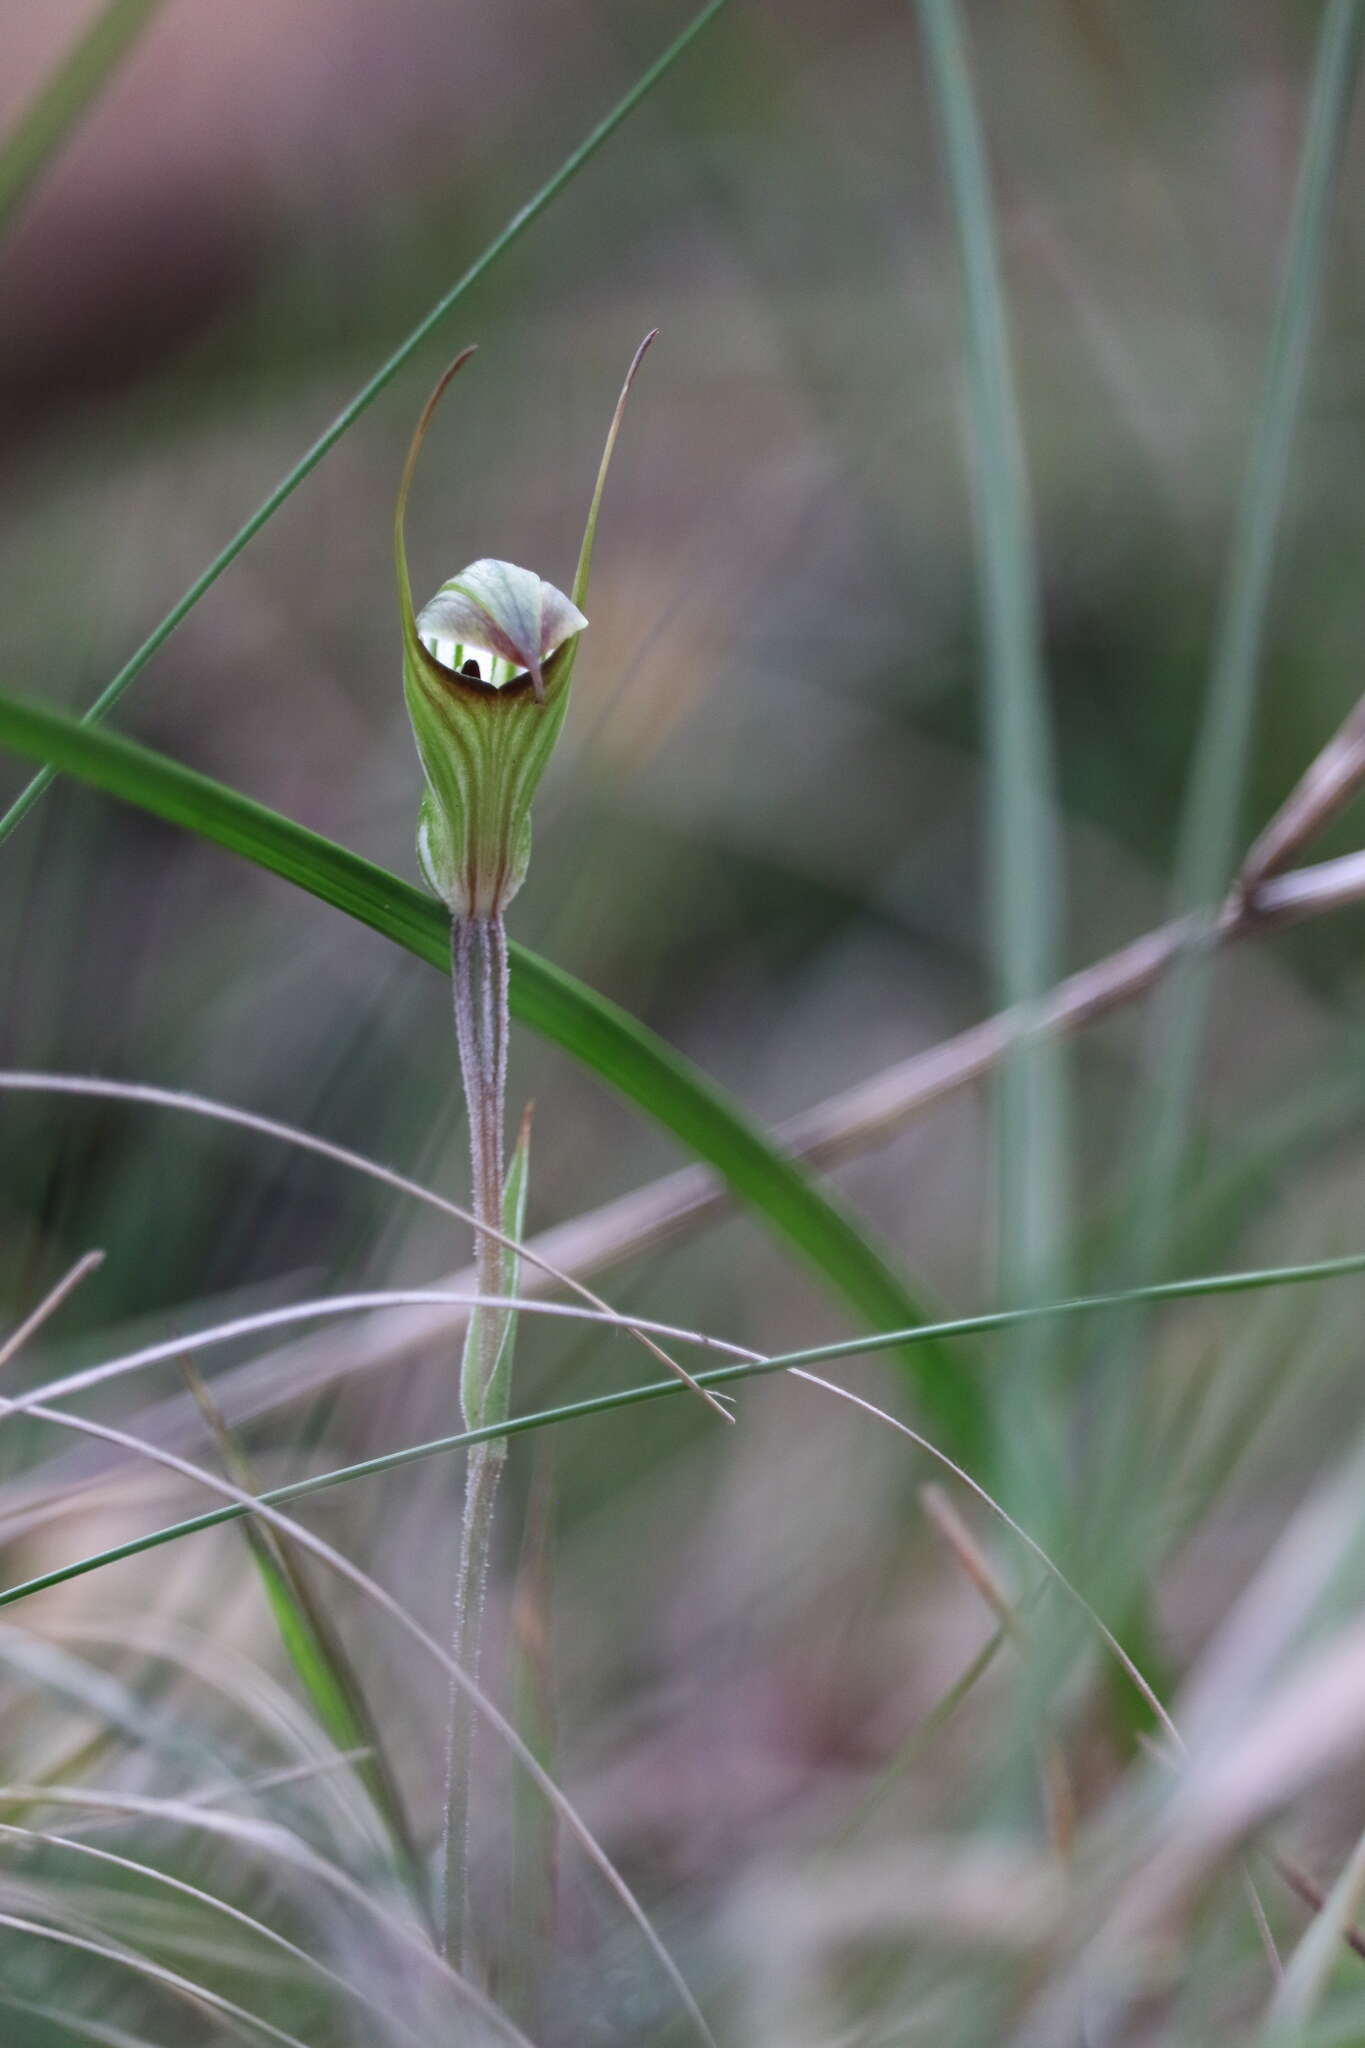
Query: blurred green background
763	834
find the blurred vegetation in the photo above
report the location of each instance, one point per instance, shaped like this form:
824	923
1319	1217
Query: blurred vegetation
772	834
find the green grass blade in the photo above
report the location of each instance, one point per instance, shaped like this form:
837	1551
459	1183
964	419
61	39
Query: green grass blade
368	392
1208	850
331	1684
1121	1488
50	116
1024	861
1308	1972
1025	870
1201	1287
315	1649
604	1037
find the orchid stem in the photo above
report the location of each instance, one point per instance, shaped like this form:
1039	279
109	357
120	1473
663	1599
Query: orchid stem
479	974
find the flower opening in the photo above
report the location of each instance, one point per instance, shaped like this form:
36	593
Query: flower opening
504	620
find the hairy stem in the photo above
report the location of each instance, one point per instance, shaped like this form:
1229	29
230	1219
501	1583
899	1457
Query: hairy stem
479	975
481	1485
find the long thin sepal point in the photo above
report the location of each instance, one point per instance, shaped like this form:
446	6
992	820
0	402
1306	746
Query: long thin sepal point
580	580
419	435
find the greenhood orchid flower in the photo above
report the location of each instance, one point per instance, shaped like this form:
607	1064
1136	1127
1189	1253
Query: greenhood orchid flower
486	671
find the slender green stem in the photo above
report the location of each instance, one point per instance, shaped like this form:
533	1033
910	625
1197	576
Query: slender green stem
479	975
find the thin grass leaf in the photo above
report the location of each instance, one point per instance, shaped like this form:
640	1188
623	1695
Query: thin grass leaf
88	1263
604	1037
199	1105
197	1996
365	397
721	1376
1031	1174
272	1319
1304	1983
1121	1496
78	2026
1025	869
318	1655
1072	1591
387	1604
208	1901
283	1853
1208	847
52	114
